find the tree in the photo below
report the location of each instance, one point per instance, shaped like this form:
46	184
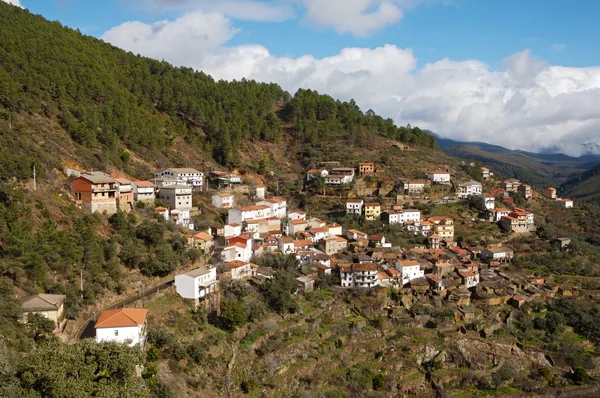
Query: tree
277	292
39	326
232	315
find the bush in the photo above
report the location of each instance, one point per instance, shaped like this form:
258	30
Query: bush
159	337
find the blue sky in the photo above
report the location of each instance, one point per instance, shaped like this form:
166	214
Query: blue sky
524	74
458	29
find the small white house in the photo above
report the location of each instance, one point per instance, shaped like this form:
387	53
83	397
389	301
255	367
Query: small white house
410	270
232	230
122	325
239	214
277	206
297	215
354	206
468	188
439	176
185	176
566	203
197	283
223	200
241	269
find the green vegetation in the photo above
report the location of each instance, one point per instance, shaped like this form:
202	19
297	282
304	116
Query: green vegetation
585	186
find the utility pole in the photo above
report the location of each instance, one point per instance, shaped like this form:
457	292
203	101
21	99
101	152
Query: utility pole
34	180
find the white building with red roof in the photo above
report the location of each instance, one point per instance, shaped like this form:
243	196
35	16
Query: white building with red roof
122	325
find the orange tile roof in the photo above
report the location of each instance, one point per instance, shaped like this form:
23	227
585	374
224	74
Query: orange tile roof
121	317
160	208
408	263
358	267
382	275
146	184
203	236
237	264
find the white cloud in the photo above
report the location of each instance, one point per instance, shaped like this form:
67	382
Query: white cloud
558	46
13	2
528	105
355	17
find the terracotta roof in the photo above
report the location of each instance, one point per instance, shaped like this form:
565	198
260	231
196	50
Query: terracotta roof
160	208
334	239
123	181
376	237
234	225
356	231
252	208
382	275
319	229
372	204
358	267
434	236
354	201
121	317
303	242
298	222
237	264
203	236
146	184
393	271
433	278
408	263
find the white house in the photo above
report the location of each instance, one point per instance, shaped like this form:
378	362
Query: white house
354	234
182	217
143	191
468	188
286	244
411	187
184	176
410	270
297	215
499	213
319	233
163	211
439	176
409	215
277	205
390	217
358	275
296	226
231	230
197	283
239	214
241	269
469	278
238	248
122	325
566	203
176	196
354	206
258	192
223	200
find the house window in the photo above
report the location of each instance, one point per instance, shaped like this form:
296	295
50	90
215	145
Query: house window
116	332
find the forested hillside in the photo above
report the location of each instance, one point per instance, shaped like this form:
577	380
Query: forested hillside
110	101
585	186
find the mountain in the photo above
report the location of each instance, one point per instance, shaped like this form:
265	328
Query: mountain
540	169
585	186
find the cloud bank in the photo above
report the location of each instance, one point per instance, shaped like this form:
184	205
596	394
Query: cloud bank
526	104
13	2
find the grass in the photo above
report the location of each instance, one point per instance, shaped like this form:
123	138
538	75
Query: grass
251	339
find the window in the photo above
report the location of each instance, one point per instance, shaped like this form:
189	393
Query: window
116	332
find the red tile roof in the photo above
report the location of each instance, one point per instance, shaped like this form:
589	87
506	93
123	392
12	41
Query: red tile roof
121	317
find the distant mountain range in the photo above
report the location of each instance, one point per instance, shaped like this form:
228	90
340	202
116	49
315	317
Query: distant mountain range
539	169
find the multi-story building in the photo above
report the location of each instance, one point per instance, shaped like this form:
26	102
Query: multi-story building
401	216
177	197
334	245
525	190
358	275
550	193
197	284
144	191
125	200
485	173
566	203
372	211
278	206
95	191
184	176
366	168
354	206
519	221
468	188
413	187
443	227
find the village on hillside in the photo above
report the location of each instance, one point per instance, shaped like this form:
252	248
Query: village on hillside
435	264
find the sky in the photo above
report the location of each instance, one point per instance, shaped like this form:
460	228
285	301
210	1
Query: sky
524	74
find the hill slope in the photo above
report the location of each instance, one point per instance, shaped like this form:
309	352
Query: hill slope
585	186
110	103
